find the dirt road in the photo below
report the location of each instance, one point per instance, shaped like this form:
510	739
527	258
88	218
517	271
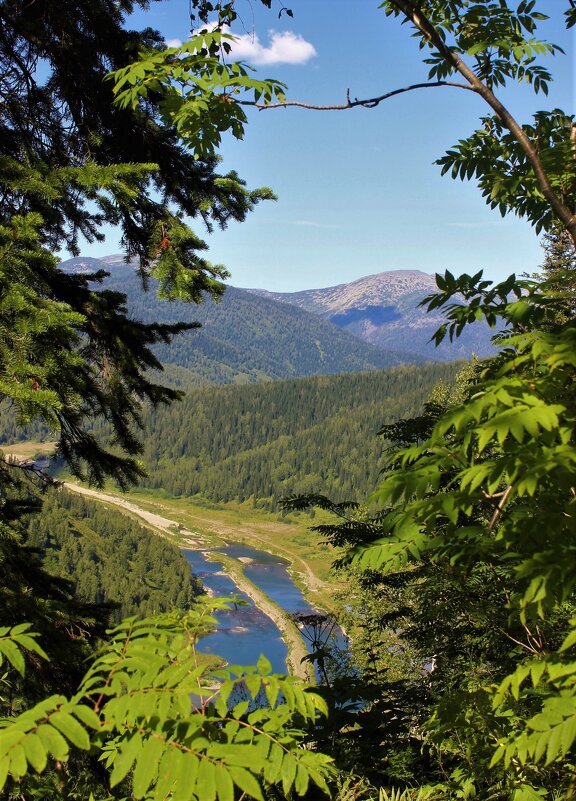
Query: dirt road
156	521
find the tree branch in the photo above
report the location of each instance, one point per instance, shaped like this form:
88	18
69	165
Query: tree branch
370	102
530	647
500	508
418	19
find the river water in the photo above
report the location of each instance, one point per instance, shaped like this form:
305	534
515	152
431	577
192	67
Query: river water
245	632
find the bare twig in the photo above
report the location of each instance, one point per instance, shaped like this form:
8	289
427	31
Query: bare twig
534	644
370	102
500	508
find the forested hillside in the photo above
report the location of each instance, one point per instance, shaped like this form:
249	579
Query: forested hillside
109	557
244	338
269	440
12	431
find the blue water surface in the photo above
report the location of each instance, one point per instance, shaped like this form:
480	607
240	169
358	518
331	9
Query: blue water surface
244	632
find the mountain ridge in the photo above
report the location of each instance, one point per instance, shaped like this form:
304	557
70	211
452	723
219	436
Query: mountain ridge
340	296
245	338
384	310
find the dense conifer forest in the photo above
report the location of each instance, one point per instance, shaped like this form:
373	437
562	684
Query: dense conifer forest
269	440
246	338
109	557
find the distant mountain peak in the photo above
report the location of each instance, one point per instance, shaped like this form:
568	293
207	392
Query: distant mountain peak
243	339
380	289
383	309
119	259
82	264
89	264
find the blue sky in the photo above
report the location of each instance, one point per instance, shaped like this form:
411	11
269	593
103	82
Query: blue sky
358	192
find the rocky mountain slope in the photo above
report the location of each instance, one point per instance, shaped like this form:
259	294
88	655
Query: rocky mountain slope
246	337
383	310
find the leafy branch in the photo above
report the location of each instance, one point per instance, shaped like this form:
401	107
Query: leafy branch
527	169
135	705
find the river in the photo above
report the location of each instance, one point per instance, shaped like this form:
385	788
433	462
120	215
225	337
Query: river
246	632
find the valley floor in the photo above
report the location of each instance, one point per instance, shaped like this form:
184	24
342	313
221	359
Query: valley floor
195	528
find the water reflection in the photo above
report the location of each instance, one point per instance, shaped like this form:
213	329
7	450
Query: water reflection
246	632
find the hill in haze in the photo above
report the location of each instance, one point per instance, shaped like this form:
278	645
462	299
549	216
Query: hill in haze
383	310
246	337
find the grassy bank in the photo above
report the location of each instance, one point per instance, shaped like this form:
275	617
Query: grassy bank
289	537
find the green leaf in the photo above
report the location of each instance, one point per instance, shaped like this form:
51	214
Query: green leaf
71	729
206	782
35	751
13	654
246	782
263	665
526	793
147	761
185	777
4	768
569	641
479	47
87	716
18	763
273	765
289	766
224	783
272	690
537	671
53	741
240	709
302	778
128	748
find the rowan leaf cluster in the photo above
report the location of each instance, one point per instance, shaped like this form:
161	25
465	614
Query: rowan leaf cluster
167	721
198	89
471	548
493	156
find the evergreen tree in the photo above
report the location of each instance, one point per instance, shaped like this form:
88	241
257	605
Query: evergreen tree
559	271
72	161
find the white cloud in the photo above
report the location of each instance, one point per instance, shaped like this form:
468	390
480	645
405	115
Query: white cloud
283	48
311	224
483	224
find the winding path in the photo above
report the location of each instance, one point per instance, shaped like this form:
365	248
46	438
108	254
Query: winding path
154	520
